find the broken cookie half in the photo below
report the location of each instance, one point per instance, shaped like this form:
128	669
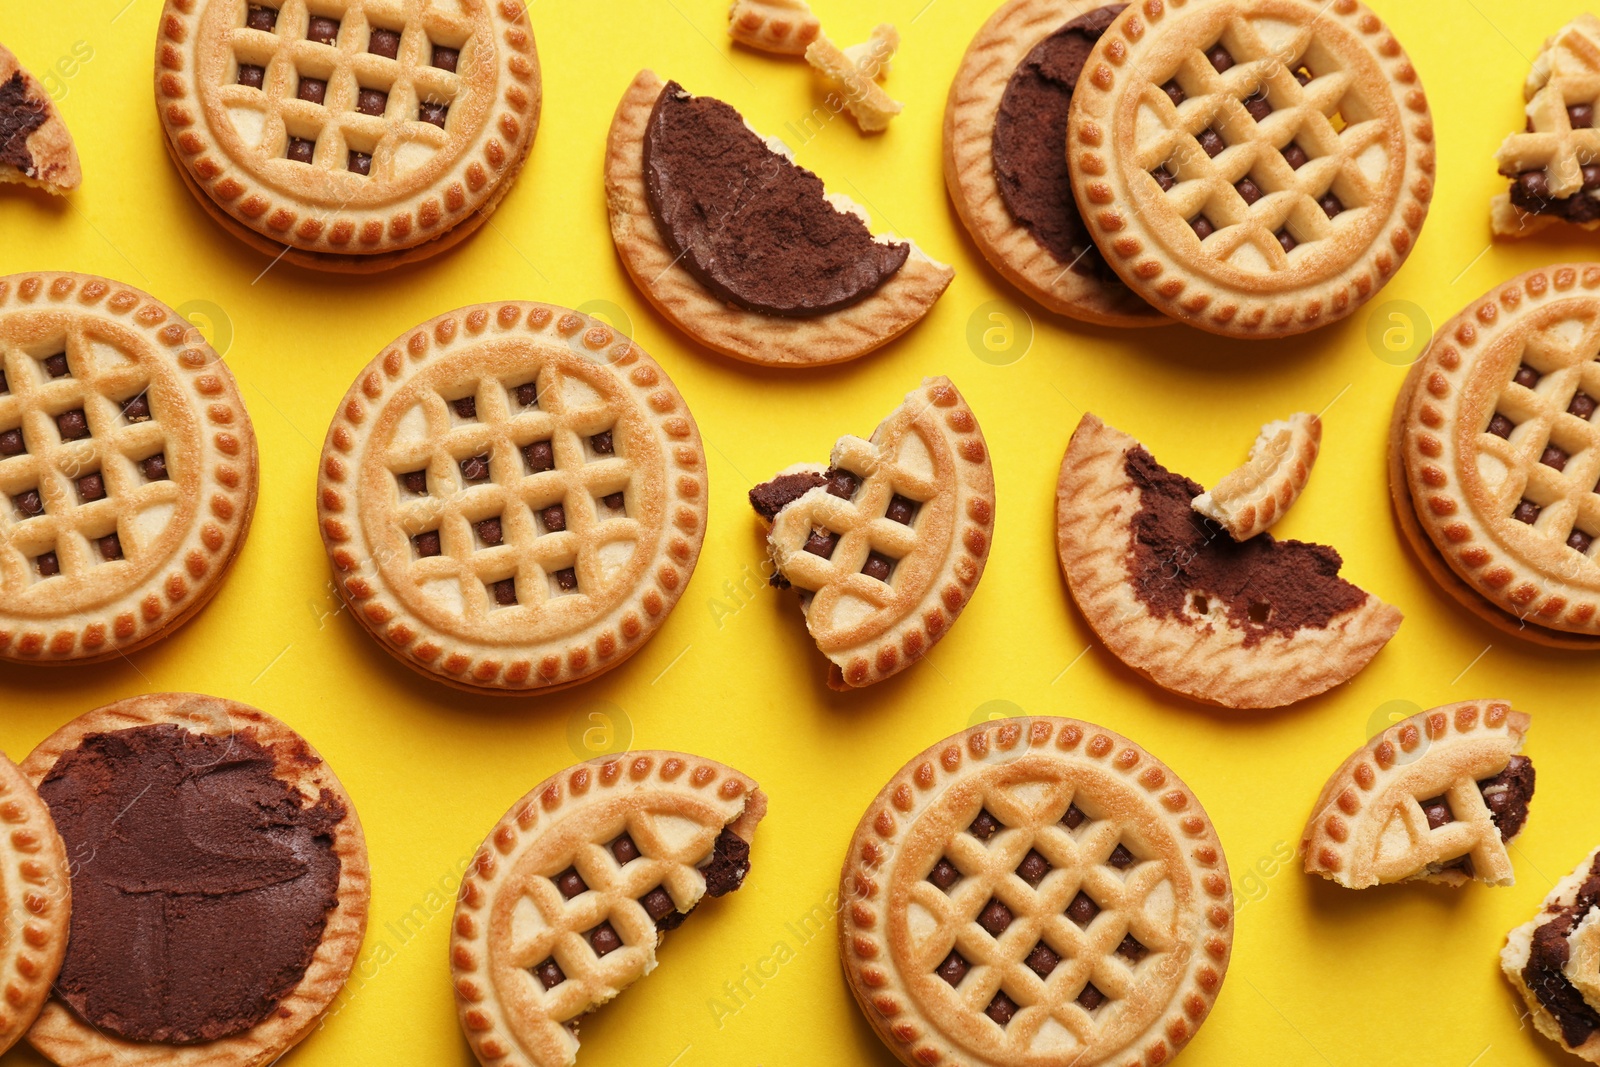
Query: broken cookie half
887	542
35	147
1436	797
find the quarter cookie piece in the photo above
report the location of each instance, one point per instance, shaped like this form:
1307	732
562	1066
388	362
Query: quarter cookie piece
574	890
513	498
791	275
1035	891
1257	624
786	27
355	137
252	875
128	469
1554	165
1434	798
1005	125
1255	168
1249	500
1493	457
885	545
1554	958
35	883
35	147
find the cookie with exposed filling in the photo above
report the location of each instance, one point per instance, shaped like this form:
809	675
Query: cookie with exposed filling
35	147
1553	960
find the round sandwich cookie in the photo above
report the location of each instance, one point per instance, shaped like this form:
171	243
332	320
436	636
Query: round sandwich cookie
1553	961
1033	891
248	875
1255	168
513	498
37	891
127	469
1245	624
35	146
355	136
1436	797
744	250
1005	125
1494	457
575	889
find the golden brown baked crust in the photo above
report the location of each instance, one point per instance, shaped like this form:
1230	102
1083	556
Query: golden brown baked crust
178	533
1582	945
785	27
511	917
1248	500
426	180
36	892
1239	280
70	1042
54	167
1171	894
969	120
854	331
438	613
1459	486
1211	661
1368	825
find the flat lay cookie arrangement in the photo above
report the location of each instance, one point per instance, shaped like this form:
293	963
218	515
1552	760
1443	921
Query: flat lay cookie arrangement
1114	490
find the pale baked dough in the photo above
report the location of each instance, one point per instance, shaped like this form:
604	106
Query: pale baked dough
856	70
36	893
55	166
1247	501
1582	966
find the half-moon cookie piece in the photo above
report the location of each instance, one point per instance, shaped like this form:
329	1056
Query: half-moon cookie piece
743	249
1434	798
36	890
1257	624
35	147
575	888
1005	163
1553	960
224	894
886	544
1247	501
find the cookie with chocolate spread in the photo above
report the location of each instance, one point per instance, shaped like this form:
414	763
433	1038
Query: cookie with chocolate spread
743	249
1254	168
1436	797
36	888
1005	164
128	469
886	544
219	885
576	887
1254	624
1553	960
35	147
1035	891
353	138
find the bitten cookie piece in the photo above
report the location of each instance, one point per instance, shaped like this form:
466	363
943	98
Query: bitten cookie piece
1553	960
35	147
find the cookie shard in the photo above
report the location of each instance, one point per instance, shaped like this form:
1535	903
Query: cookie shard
35	147
1250	499
887	543
575	888
1254	625
855	71
784	27
1436	797
1553	960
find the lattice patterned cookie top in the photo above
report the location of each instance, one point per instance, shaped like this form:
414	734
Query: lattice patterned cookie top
573	890
352	127
887	544
1436	797
127	468
1035	891
513	497
36	893
1253	168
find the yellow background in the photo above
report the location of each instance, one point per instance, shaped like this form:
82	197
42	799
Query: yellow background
1401	975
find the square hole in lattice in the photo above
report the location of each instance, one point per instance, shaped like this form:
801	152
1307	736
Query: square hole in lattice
551	519
1090	998
1132	949
1164	178
260	17
1002	1009
5	386
300	149
570	883
1075	818
1257	105
549	973
1250	190
13	442
412	483
1175	91
433	111
1303	74
611	506
1580	540
1082	909
879	566
27	504
312	90
822	542
56	366
445	57
359	163
323	30
90	487
502	593
136	408
623	849
1122	857
1202	226
73	425
563	581
1437	811
1581	116
539	456
984	826
604	939
1527	511
995	918
944	874
46	565
1033	868
902	509
252	75
1042	960
1295	155
1211	141
426	544
1500	425
383	41
1583	406
371	100
489	533
1220	57
599	446
1331	203
108	547
463	409
1286	238
154	467
475	469
953	969
524	396
842	483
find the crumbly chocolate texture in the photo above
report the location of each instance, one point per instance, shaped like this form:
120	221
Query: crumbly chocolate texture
730	862
1507	795
1267	586
769	498
1030	136
1547	958
201	882
751	226
19	117
1530	191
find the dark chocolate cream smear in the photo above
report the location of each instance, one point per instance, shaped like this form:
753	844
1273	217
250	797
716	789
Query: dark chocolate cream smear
19	117
750	225
1548	953
201	883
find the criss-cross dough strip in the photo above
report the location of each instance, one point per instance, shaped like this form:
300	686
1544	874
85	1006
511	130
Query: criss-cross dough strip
969	173
931	451
899	304
856	70
1581	969
1367	826
511	917
896	926
178	534
69	1041
786	27
54	158
1249	500
35	899
1239	280
1205	660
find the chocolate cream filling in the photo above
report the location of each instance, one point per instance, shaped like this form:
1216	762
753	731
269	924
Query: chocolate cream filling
1548	953
19	117
201	883
751	226
1183	565
1030	143
1530	191
771	497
